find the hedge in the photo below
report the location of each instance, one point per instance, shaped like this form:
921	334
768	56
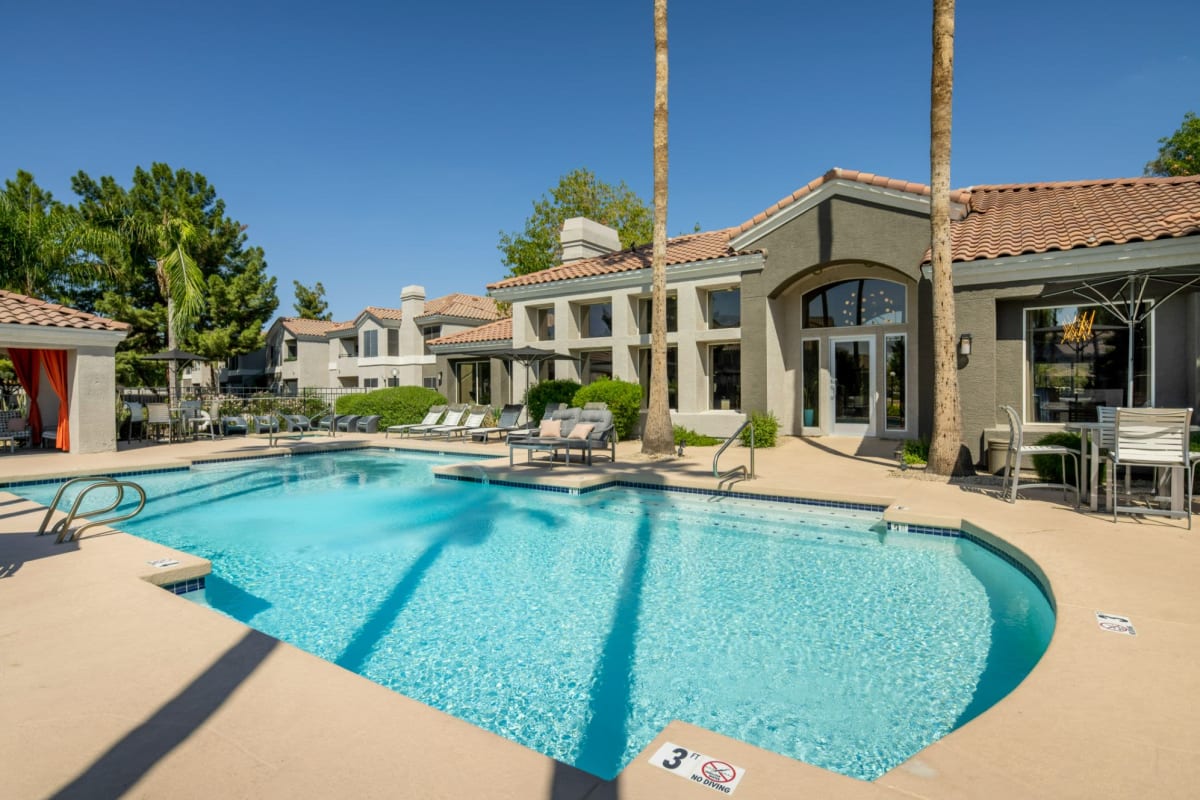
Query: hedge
624	400
398	405
540	394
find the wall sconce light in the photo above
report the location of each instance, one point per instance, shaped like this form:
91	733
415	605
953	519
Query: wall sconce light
964	344
439	377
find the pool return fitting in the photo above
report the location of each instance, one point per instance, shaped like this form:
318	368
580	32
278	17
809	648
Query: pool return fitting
63	527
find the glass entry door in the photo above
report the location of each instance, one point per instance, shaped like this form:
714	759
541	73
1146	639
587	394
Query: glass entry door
852	372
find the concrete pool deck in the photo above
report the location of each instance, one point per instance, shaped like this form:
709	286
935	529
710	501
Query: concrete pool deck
110	685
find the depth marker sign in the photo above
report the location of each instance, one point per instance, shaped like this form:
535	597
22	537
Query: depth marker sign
712	773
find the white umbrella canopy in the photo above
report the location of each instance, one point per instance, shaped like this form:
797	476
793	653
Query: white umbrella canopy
1131	298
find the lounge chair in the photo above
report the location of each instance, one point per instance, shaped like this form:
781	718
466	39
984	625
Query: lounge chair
234	424
432	417
550	436
297	422
368	424
594	431
507	423
453	419
323	422
348	423
532	428
264	423
474	419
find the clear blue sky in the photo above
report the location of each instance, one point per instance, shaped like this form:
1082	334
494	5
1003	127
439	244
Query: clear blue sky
374	145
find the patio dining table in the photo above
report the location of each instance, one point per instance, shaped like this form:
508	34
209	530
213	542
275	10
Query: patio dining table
1089	466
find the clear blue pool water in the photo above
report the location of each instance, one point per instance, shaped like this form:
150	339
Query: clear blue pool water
580	626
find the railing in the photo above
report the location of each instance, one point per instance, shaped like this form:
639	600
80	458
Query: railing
63	527
731	475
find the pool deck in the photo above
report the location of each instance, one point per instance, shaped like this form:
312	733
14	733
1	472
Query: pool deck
111	686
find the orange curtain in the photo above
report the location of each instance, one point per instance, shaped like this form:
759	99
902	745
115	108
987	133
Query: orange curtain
28	366
55	362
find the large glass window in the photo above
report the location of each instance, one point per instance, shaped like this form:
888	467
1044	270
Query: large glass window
545	324
894	351
1079	359
474	380
370	344
595	320
644	369
595	364
863	301
725	308
393	342
646	314
725	372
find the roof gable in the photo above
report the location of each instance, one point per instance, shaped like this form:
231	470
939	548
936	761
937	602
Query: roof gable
498	331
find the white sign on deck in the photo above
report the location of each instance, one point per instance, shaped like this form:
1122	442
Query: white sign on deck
1115	624
711	773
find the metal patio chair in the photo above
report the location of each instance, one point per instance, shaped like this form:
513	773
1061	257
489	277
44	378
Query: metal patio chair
1152	437
1017	449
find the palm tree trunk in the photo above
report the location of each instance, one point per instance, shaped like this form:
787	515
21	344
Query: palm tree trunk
658	437
947	456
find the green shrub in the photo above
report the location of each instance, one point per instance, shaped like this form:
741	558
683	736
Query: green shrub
624	400
1196	442
915	452
397	405
686	436
766	427
541	394
1049	468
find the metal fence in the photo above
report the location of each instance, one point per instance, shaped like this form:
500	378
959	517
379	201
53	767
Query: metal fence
243	400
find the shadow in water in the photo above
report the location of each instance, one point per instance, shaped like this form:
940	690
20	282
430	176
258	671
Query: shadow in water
115	772
602	747
233	600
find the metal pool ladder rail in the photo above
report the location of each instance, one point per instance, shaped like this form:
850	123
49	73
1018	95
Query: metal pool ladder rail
63	526
738	473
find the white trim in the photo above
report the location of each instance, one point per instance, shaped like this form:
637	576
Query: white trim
730	266
396	361
1063	266
57	338
906	201
499	345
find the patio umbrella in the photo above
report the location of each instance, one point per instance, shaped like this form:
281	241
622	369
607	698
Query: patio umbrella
174	357
1125	296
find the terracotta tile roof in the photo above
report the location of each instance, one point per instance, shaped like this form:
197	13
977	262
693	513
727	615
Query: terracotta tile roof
498	331
308	327
19	309
680	250
341	326
469	306
837	173
1020	218
379	312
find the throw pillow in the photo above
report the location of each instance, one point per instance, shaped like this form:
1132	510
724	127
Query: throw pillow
581	430
17	424
550	428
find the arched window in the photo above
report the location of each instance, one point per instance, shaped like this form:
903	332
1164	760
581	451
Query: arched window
862	301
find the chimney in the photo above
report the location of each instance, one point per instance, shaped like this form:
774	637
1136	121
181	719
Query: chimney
585	238
412	305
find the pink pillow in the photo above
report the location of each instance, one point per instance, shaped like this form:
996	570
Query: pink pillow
550	428
581	430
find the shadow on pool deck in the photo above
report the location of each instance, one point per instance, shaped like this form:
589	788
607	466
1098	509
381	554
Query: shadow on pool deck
119	769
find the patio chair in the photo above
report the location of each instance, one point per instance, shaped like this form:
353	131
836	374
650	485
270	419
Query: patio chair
594	431
202	425
1152	437
158	416
1017	450
532	428
506	424
474	419
264	423
368	424
347	422
297	422
432	417
454	419
234	424
137	417
551	434
14	428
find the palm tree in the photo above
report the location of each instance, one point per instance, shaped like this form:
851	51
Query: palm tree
658	437
947	456
180	280
42	242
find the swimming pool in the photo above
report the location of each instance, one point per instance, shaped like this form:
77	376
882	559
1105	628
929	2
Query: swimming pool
580	625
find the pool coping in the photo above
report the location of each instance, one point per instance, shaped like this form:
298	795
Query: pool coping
977	760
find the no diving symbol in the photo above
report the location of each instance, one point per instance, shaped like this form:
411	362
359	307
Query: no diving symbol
718	771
